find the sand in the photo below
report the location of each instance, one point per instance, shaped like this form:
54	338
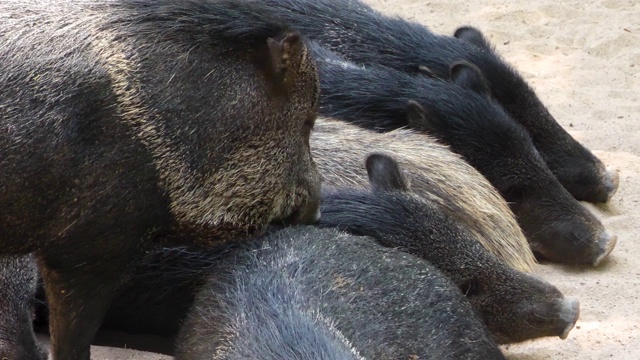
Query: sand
583	59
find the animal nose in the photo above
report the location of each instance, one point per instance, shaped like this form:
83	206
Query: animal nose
611	183
310	215
606	244
569	314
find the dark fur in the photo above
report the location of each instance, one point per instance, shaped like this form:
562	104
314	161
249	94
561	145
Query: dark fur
18	281
287	297
163	286
130	121
366	36
514	306
460	114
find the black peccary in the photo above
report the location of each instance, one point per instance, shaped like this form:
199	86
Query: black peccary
366	36
514	306
124	123
162	287
461	114
308	293
172	275
18	281
160	290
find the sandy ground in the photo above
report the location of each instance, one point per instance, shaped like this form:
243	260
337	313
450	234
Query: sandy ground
583	59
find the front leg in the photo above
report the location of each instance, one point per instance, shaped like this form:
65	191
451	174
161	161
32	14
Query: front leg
18	281
79	297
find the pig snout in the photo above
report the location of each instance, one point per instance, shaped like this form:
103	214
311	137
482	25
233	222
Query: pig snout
310	214
606	244
611	182
569	314
607	186
316	216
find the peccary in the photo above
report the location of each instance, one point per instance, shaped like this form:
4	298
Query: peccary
162	287
171	275
18	281
124	123
307	293
461	114
366	36
514	306
435	173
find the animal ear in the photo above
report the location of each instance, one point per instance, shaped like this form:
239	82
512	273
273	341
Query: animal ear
419	118
384	173
472	36
285	56
468	76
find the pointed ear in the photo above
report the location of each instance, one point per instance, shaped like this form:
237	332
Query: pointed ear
285	56
468	76
472	36
385	174
419	118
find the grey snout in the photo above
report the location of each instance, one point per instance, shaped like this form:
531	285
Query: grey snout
606	244
310	215
317	216
569	314
611	183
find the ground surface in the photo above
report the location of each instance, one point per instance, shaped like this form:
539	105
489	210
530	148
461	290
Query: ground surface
583	59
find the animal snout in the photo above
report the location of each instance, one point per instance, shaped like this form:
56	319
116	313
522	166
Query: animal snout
606	244
310	214
569	314
611	183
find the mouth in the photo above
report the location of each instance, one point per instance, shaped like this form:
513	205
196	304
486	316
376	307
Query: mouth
316	216
566	331
307	216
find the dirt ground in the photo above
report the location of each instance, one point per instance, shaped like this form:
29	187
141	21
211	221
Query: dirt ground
583	59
